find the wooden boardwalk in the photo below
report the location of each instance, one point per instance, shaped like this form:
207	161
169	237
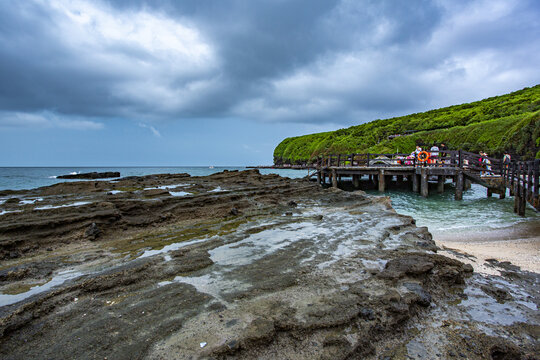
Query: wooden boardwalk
462	167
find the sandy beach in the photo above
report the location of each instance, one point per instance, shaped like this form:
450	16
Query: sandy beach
519	244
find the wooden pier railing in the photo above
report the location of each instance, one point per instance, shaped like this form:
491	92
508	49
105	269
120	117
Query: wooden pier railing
521	177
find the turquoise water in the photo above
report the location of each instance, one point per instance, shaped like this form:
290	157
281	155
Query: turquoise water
475	213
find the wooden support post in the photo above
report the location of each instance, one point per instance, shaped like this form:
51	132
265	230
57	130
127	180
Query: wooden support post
381	180
467	184
530	181
502	193
356	181
319	180
521	206
440	183
489	192
334	178
459	186
536	170
512	181
399	180
516	197
523	202
424	185
415	183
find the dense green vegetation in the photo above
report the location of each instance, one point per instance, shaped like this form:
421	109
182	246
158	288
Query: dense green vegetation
509	122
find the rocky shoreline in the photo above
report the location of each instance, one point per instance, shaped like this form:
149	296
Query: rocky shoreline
243	265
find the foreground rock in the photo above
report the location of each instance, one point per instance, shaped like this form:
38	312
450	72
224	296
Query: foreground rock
91	175
241	265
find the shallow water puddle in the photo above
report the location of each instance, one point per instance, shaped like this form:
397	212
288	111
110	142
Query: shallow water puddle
60	278
483	308
2	212
171	247
167	187
266	242
46	207
179	193
213	284
30	201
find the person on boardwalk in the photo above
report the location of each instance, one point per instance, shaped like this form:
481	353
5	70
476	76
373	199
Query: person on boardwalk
443	147
481	163
416	153
488	165
434	153
506	160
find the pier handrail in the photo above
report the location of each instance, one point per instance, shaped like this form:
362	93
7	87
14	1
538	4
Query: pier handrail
446	158
521	177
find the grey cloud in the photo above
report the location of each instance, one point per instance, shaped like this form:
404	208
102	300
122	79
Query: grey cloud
316	61
45	119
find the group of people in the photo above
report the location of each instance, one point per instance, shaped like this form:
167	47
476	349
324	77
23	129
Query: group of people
436	156
430	156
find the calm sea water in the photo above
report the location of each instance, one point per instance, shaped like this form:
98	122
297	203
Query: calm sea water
475	213
19	178
440	213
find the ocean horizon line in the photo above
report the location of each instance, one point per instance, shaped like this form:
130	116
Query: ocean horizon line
124	166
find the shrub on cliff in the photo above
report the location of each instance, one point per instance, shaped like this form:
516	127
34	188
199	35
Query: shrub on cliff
509	122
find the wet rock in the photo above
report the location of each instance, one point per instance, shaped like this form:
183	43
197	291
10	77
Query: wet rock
412	265
187	260
292	204
430	246
91	175
451	275
367	314
92	232
505	352
501	295
233	345
308	297
13	200
468	268
423	297
335	339
260	329
156	192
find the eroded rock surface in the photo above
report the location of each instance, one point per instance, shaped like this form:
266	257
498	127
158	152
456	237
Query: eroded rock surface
240	265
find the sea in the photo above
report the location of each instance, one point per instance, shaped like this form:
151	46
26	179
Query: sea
439	212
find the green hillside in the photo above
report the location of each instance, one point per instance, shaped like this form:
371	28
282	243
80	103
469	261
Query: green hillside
508	122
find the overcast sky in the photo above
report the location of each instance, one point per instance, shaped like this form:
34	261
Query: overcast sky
219	82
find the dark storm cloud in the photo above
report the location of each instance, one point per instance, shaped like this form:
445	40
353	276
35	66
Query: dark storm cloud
339	61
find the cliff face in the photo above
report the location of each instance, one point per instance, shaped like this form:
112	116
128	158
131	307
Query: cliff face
509	122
